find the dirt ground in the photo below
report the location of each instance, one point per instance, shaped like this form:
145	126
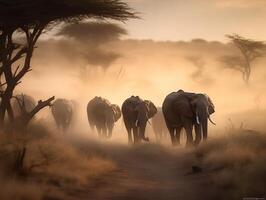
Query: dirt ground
146	171
87	168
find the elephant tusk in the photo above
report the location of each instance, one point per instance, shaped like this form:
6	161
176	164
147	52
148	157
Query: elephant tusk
136	123
149	122
211	121
197	119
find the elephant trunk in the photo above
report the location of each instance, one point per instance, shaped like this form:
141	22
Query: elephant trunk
142	132
204	126
141	123
202	120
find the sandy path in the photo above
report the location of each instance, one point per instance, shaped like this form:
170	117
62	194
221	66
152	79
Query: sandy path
151	172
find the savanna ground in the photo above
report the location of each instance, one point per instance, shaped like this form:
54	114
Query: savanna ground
79	166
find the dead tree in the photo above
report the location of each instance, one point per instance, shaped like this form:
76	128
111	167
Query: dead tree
21	24
250	50
21	122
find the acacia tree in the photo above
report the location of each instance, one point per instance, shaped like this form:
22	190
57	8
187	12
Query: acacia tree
96	35
250	50
21	24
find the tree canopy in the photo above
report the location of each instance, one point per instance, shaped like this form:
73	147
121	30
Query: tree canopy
250	50
31	18
93	31
29	12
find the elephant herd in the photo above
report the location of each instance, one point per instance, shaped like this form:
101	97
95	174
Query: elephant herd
179	110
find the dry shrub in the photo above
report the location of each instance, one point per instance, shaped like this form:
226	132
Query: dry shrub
17	190
67	163
51	166
38	129
237	163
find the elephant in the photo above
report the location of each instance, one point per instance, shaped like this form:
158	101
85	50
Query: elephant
102	114
158	125
62	111
136	113
22	104
185	110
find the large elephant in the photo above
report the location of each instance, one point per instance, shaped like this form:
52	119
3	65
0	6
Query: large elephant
158	125
22	104
62	111
102	114
185	110
136	113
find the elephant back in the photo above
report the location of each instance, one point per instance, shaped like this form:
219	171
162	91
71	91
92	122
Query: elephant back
98	108
176	103
62	108
97	101
130	104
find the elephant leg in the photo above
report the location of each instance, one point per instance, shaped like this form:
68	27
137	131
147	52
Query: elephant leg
57	124
110	129
104	131
130	141
99	131
172	135
141	135
177	135
188	128
136	135
60	125
198	134
64	127
205	131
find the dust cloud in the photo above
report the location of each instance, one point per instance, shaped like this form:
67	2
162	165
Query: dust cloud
82	166
150	69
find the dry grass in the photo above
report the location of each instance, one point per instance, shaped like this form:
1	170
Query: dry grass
75	166
236	163
51	166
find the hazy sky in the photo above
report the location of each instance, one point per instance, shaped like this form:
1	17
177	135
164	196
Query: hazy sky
187	19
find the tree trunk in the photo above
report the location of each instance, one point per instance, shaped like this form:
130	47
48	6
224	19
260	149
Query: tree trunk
10	52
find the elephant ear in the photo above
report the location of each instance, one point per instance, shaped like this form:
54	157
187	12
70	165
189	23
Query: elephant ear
152	110
116	111
211	107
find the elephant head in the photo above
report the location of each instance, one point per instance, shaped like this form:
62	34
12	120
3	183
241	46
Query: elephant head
203	108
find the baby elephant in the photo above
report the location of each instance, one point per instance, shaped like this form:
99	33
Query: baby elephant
102	114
